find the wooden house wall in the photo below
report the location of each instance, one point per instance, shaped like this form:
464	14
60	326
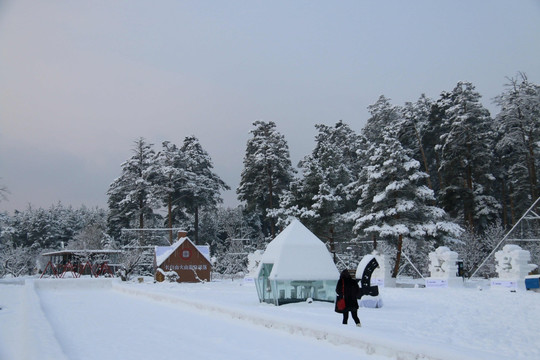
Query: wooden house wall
186	260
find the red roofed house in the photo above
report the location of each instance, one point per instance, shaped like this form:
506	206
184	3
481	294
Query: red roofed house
191	262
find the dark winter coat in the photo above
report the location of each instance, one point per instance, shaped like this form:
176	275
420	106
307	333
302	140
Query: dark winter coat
351	291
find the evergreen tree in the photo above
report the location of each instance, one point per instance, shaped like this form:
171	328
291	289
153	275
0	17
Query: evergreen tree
414	126
172	177
203	188
383	113
131	197
321	196
465	154
62	223
3	192
431	140
234	224
518	146
395	203
383	116
267	172
221	225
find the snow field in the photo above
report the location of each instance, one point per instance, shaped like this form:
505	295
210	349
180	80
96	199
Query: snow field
364	343
102	322
64	319
451	323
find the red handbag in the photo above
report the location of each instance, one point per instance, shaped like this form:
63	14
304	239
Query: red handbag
341	302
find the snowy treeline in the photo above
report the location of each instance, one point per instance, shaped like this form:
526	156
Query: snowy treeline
28	233
177	180
419	175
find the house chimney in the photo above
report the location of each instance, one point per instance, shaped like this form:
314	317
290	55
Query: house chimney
182	234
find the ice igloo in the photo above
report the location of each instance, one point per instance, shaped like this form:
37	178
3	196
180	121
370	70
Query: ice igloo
296	266
512	267
443	267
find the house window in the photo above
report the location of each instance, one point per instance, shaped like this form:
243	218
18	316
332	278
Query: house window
186	254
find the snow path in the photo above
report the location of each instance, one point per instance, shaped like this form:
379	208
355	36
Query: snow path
25	332
107	324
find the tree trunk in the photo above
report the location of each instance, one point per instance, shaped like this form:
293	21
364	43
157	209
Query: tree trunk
529	157
141	215
398	256
424	158
332	244
512	208
141	223
504	204
169	209
270	200
439	175
532	170
469	211
374	238
196	235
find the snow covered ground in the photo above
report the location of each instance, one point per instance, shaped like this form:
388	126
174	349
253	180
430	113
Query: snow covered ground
107	319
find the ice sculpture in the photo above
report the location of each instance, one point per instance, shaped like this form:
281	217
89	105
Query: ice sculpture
512	267
443	268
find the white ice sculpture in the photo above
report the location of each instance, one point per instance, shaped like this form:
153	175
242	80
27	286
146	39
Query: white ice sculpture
370	297
254	259
443	268
512	267
382	276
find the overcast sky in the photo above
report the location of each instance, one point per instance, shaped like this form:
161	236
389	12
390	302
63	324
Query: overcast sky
80	81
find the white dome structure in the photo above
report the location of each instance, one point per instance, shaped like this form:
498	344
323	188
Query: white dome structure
296	266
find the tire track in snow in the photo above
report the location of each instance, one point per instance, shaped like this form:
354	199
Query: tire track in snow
39	339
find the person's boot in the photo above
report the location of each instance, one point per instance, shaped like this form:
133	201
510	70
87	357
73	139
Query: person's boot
359	324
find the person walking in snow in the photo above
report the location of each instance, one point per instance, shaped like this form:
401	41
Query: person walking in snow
347	288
